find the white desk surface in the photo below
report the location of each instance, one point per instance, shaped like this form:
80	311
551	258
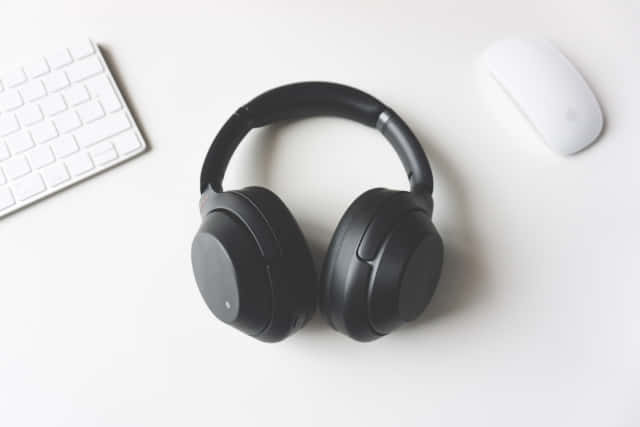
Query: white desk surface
536	318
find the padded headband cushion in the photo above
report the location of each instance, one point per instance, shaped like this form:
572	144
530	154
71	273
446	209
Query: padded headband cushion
308	99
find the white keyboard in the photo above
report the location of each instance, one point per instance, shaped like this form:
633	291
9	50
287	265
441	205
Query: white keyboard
62	119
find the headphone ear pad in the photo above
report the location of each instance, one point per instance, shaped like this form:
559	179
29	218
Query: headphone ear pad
292	273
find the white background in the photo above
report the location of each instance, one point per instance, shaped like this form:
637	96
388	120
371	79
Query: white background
535	321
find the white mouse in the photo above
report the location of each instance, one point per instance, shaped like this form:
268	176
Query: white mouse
549	91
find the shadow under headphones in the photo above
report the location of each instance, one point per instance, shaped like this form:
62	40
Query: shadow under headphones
251	261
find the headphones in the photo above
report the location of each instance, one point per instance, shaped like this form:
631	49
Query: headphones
250	259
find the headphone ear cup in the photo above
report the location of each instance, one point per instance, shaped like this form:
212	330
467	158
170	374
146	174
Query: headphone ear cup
252	264
383	264
292	273
231	272
339	265
406	270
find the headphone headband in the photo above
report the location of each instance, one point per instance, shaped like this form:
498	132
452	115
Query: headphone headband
308	99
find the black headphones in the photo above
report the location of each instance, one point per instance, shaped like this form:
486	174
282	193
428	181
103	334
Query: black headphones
251	261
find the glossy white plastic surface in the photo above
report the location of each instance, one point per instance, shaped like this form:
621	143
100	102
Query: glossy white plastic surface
549	91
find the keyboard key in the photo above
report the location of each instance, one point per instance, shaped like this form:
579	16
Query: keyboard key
29	114
43	132
40	156
33	90
56	174
56	81
10	100
81	50
103	153
127	142
15	78
67	122
76	95
16	167
6	198
102	129
4	151
64	146
91	111
59	59
79	163
19	142
84	69
37	69
8	124
29	187
3	180
99	85
53	104
110	102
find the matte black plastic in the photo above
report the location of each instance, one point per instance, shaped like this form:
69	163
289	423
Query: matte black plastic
307	99
407	269
221	149
367	297
246	212
421	274
379	228
407	145
252	263
293	274
267	265
231	274
342	264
